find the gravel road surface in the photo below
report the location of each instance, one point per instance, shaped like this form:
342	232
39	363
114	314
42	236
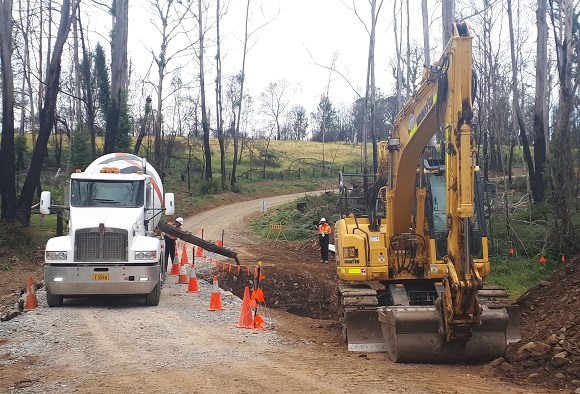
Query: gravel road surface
119	345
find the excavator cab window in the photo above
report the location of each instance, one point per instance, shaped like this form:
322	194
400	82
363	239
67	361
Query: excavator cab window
436	213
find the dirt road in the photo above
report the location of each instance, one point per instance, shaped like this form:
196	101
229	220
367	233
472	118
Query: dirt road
113	345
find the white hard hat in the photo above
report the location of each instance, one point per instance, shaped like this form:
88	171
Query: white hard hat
322	220
180	220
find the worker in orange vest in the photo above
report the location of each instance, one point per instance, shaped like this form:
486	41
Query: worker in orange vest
324	231
170	241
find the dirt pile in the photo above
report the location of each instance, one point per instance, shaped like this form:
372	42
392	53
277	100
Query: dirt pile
295	281
549	352
14	273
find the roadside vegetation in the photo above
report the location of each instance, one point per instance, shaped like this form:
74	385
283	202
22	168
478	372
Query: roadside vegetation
295	166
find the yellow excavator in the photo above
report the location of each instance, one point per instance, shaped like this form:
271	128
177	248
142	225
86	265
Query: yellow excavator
410	246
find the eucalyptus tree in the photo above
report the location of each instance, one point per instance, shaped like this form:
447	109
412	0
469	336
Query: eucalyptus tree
563	15
7	157
119	71
540	104
47	112
274	103
170	19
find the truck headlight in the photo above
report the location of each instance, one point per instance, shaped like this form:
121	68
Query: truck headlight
152	255
55	255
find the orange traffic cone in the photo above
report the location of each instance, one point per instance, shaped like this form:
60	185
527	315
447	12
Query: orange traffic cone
246	320
215	303
542	259
183	278
259	322
198	251
184	260
174	269
193	285
31	301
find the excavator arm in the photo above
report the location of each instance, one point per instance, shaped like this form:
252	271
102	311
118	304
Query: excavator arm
429	310
443	102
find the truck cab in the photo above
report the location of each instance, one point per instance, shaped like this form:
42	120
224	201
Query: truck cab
111	247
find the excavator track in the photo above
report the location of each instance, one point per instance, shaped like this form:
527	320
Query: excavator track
412	333
358	316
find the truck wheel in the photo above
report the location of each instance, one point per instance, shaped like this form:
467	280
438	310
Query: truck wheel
53	299
152	299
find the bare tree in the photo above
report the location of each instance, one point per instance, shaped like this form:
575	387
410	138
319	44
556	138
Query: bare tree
143	126
298	122
399	73
448	14
47	113
538	182
218	98
516	100
567	48
426	45
242	77
119	73
204	118
170	27
274	103
7	157
88	91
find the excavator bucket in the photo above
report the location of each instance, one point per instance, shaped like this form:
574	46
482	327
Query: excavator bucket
497	297
412	335
513	328
364	333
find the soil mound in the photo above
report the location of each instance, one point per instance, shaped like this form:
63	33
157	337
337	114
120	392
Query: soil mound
295	280
549	352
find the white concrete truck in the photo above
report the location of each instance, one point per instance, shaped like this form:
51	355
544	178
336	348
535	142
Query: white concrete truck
111	247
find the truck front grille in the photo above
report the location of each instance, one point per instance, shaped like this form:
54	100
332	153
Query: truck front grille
111	245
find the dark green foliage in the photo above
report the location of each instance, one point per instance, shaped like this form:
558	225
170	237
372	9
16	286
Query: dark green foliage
101	76
80	150
270	158
325	119
20	146
14	235
209	186
123	140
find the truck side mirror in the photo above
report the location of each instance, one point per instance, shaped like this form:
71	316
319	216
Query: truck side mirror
169	204
45	203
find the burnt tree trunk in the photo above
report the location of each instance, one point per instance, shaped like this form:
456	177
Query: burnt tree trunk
47	114
118	72
7	157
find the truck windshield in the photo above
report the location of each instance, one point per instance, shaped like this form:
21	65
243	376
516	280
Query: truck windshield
116	194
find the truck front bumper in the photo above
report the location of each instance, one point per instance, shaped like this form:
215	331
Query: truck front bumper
99	279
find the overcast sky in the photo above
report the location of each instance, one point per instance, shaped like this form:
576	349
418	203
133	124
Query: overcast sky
300	34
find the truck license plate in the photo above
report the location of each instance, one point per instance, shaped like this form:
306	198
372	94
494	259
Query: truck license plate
100	276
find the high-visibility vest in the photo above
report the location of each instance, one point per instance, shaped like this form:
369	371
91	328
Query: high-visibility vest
324	228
